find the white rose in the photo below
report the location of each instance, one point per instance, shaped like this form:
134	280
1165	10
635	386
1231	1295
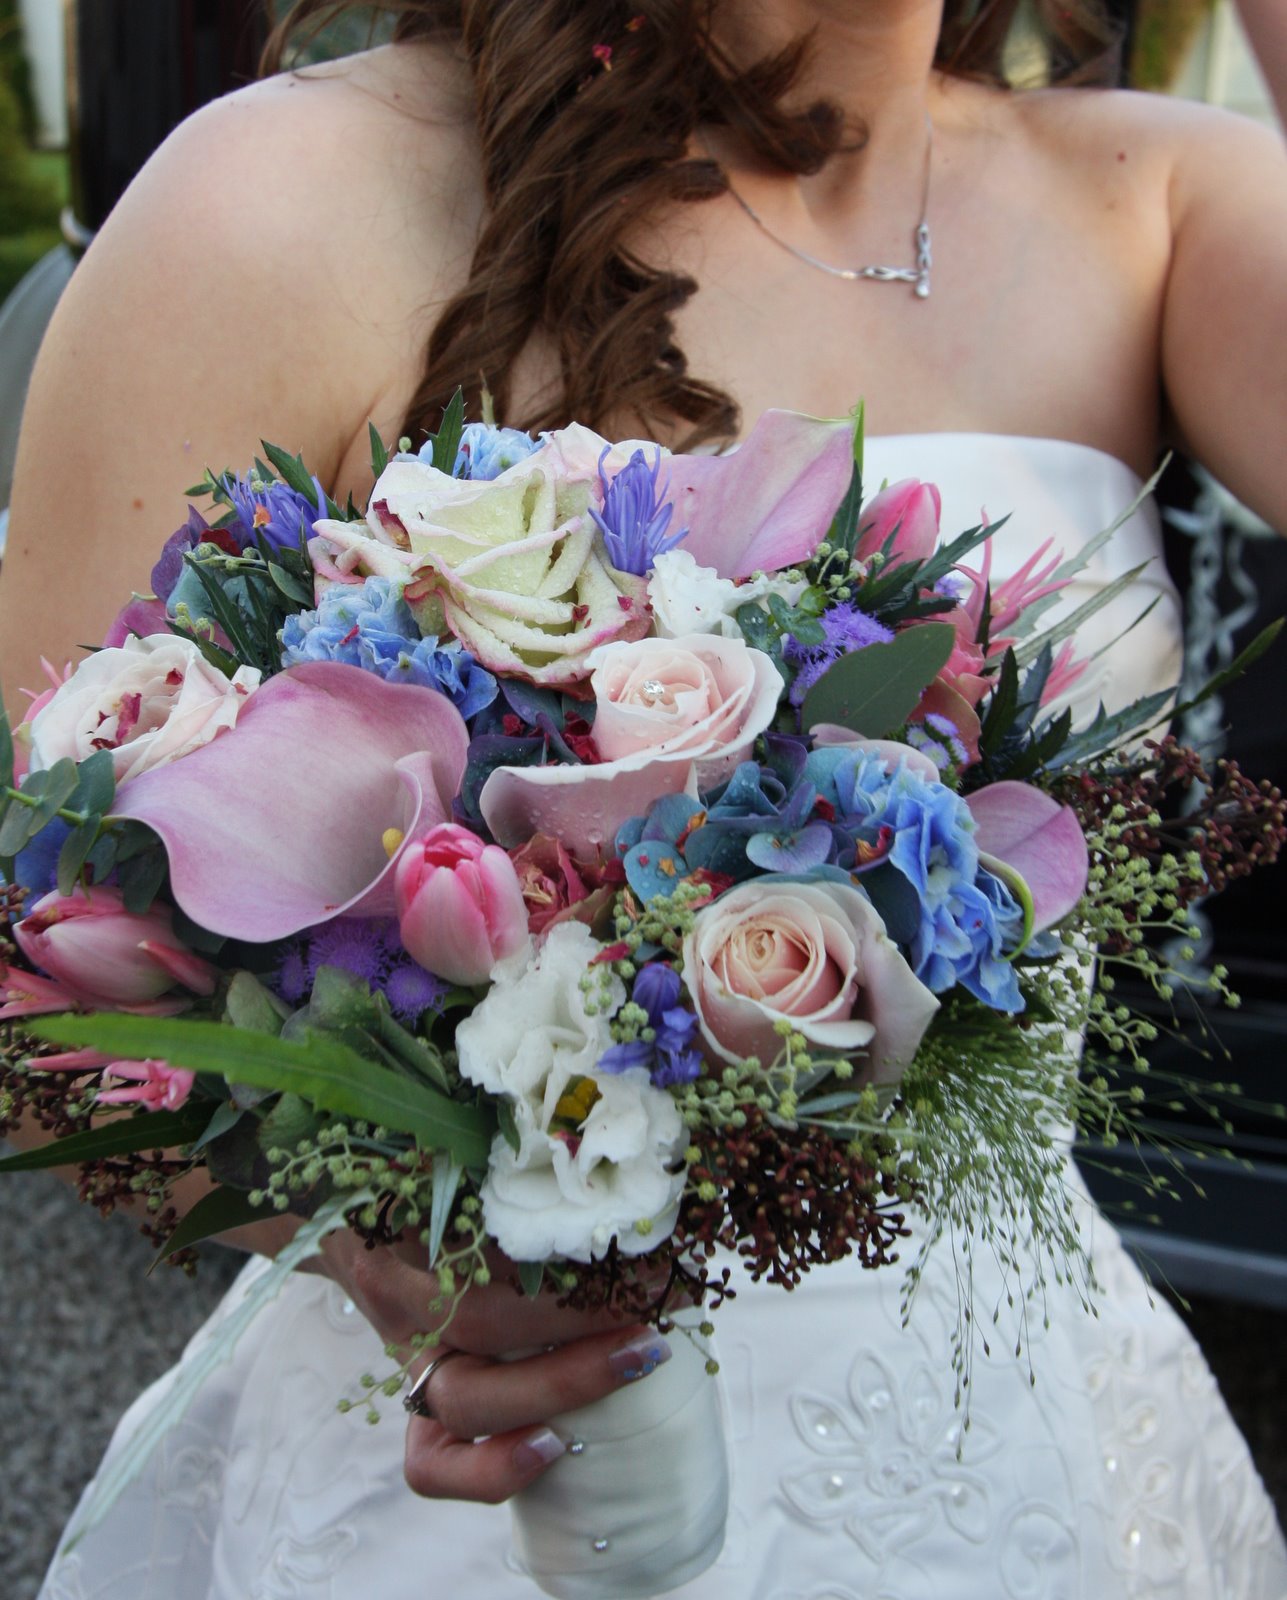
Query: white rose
148	701
597	1151
687	598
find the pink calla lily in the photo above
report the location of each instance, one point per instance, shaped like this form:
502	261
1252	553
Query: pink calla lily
278	824
582	807
1040	839
767	504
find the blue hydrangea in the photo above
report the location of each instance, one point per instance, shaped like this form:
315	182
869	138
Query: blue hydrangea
486	451
965	916
635	517
847	629
370	626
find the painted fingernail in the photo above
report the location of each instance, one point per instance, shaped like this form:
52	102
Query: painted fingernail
644	1354
538	1450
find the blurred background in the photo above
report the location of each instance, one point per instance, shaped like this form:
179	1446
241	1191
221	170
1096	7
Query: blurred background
88	88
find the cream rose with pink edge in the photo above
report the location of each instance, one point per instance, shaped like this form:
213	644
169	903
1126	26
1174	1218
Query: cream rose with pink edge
816	954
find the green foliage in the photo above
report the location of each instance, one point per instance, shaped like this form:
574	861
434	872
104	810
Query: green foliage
153	1130
875	690
318	1067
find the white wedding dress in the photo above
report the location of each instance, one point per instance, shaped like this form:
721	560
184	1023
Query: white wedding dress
1119	1474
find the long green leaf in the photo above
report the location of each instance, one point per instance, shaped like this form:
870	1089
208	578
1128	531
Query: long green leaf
156	1130
1235	669
321	1070
874	691
291	470
216	1212
446	1180
379	455
1031	648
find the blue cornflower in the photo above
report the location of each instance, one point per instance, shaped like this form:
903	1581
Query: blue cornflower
669	1056
486	451
634	518
371	626
847	629
272	512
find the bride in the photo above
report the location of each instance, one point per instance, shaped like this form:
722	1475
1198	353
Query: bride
634	215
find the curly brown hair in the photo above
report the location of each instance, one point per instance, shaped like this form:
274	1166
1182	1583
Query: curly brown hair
576	161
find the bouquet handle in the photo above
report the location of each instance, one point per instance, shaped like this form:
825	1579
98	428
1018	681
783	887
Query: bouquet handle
639	1503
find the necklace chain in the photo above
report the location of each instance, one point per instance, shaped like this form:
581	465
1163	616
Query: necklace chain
918	276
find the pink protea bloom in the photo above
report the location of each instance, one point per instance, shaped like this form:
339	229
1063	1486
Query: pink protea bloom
102	956
1013	595
154	1084
460	904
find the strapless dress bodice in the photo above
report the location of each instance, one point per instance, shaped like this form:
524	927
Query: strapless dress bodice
1053	489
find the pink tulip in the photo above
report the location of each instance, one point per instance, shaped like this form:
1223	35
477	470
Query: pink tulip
102	955
460	904
909	510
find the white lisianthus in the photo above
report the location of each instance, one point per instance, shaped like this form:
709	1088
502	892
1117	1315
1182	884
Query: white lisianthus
687	598
597	1151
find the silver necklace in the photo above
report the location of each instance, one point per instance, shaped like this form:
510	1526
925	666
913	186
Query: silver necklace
918	276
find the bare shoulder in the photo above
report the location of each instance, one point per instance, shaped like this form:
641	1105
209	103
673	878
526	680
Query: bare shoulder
1180	144
272	273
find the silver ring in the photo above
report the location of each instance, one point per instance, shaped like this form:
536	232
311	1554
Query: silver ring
416	1399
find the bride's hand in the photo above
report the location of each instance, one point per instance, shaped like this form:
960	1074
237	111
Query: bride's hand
487	1437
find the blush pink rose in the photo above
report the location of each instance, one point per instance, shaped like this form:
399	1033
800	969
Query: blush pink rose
708	696
815	953
460	904
672	715
148	701
908	510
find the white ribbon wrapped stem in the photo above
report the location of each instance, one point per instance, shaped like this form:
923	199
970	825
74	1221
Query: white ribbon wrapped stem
640	1507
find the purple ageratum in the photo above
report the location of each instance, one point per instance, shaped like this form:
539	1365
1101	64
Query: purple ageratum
272	512
669	1056
635	517
939	739
367	948
486	451
847	629
370	626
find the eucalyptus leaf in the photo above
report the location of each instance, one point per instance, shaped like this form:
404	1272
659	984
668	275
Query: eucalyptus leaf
57	789
531	1275
95	784
226	1117
250	1005
75	852
17	827
141	878
319	1068
875	690
292	587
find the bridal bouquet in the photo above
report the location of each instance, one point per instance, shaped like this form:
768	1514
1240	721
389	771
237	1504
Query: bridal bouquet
614	858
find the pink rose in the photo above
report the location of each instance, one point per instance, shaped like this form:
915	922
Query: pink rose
103	956
816	953
706	696
671	714
460	904
910	511
148	701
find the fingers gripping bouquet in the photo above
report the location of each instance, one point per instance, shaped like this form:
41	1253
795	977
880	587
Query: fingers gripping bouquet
613	857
